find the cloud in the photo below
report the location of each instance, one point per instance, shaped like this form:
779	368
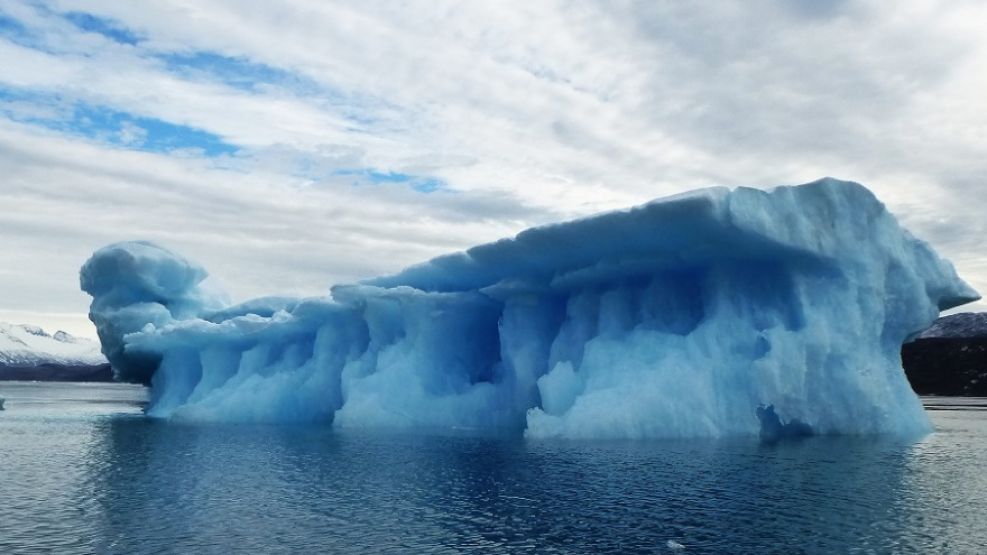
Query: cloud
255	230
281	143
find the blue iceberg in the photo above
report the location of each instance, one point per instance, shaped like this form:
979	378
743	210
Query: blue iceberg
677	318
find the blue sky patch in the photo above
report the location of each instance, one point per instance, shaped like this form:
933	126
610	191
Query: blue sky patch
14	31
106	27
142	133
243	74
420	183
238	73
122	129
10	25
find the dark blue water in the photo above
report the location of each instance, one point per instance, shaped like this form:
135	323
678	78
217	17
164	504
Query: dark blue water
82	472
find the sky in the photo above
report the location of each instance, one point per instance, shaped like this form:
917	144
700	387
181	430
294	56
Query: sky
288	146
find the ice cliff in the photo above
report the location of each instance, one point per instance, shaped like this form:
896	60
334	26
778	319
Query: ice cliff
676	318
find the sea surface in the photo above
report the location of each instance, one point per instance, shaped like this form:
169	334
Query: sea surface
82	471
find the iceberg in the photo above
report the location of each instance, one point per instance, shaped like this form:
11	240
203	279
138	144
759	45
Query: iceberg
677	318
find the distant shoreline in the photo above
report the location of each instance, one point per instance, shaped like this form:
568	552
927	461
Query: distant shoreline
58	373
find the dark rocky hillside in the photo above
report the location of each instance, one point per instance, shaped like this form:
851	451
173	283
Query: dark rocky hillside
950	358
54	372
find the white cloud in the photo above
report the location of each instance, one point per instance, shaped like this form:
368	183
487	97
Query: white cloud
531	111
131	134
253	230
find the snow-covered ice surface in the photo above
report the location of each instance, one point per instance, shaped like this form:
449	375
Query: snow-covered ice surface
675	318
27	345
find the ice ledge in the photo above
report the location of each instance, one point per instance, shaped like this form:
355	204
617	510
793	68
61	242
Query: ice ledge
812	222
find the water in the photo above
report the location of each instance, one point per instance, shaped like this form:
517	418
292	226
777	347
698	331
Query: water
81	471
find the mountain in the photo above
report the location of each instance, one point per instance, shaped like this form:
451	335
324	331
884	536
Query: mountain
963	325
30	353
950	357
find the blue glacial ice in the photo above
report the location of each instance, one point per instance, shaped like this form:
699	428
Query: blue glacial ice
677	318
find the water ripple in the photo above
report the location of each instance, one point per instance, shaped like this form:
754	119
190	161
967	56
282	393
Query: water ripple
83	477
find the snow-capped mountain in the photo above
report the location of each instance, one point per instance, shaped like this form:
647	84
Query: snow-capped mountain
26	345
